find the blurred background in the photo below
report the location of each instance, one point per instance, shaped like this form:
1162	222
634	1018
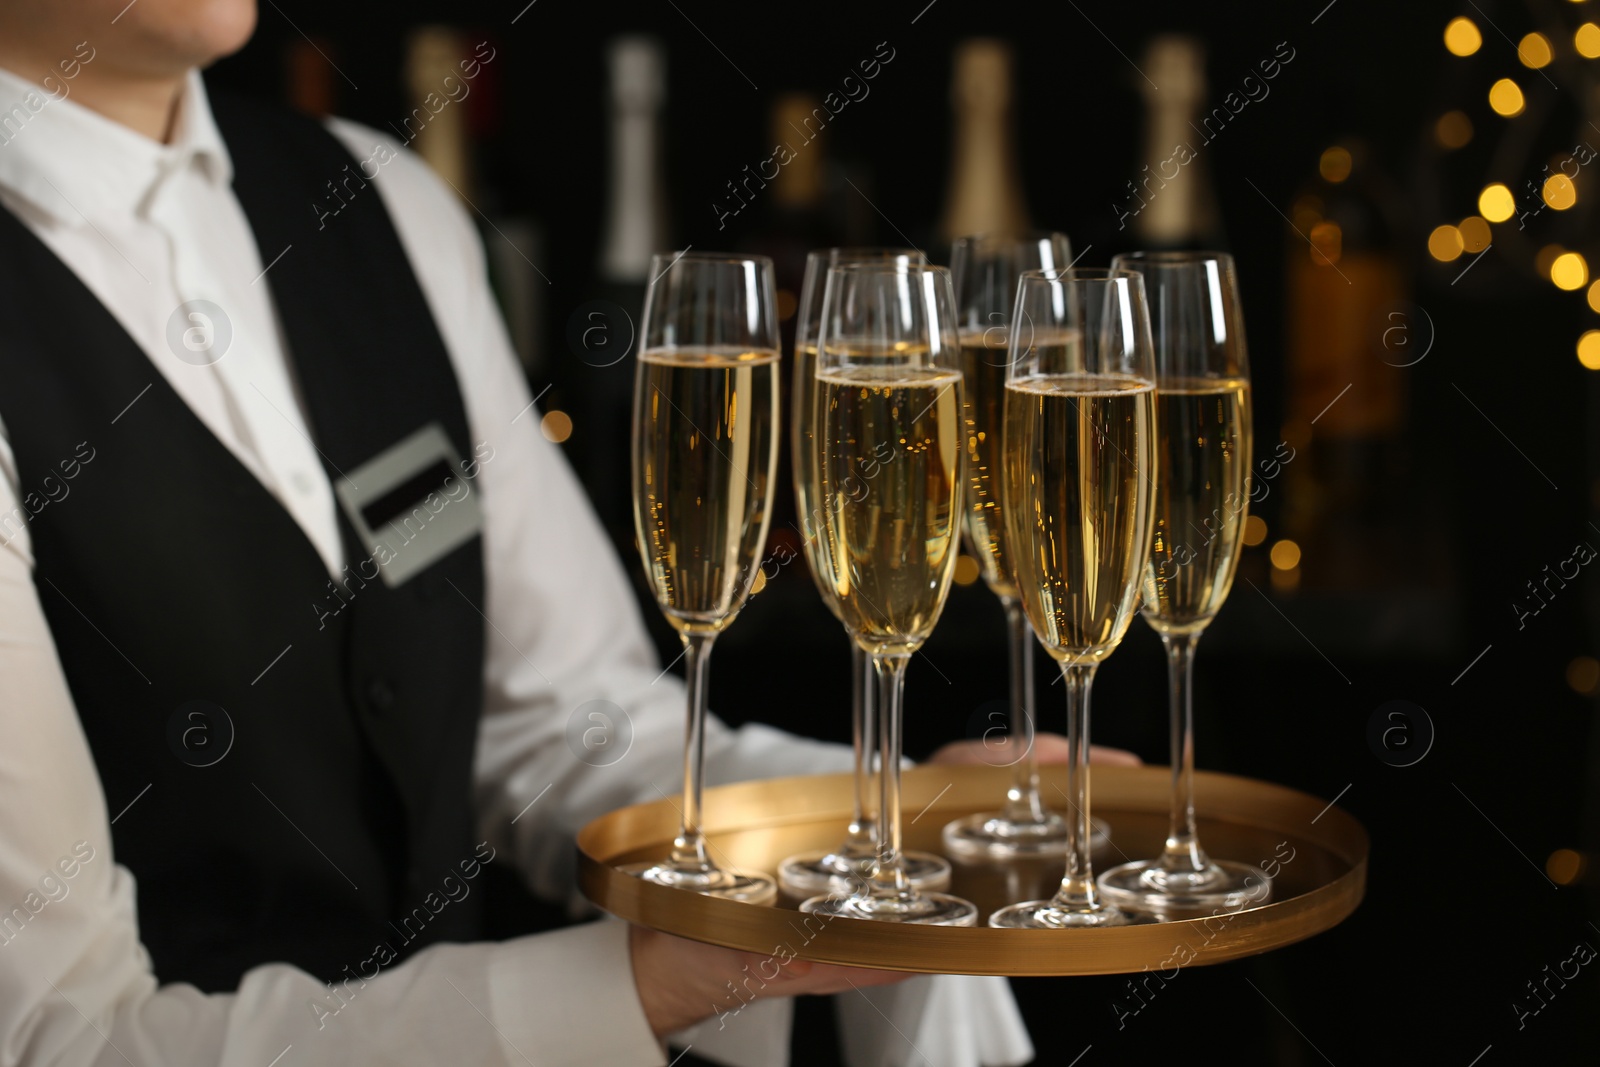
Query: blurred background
1410	192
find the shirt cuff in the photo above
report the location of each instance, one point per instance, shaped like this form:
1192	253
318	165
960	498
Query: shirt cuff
568	998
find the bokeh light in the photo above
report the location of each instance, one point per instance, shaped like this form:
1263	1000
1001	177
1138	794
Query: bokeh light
1560	192
1505	96
556	426
1534	51
1461	36
1496	203
1587	40
1285	555
1335	164
1589	349
1569	271
1445	243
1453	130
1475	236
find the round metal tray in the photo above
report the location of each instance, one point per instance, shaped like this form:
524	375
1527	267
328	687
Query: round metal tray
1316	853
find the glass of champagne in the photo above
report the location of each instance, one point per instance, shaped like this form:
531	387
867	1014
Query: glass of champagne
1078	494
837	869
705	456
888	429
1202	497
985	269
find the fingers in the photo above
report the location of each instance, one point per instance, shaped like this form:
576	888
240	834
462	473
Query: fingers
1101	756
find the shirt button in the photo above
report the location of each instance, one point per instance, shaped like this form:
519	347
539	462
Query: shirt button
302	483
380	695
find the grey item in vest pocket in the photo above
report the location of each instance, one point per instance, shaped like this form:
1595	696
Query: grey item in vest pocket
411	505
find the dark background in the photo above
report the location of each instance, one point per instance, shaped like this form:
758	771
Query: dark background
1469	502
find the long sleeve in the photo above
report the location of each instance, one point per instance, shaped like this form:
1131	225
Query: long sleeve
76	985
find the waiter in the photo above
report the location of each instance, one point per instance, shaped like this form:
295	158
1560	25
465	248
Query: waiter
296	608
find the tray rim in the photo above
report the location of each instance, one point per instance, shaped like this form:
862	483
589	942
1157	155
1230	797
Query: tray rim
777	802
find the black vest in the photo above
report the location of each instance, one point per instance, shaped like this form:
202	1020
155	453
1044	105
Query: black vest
340	817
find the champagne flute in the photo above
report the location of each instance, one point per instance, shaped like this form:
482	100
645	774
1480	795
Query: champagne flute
705	455
823	870
889	456
984	269
1078	492
1203	430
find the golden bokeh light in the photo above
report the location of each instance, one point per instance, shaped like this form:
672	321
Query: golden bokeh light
1594	297
1534	51
1587	40
1335	164
1565	866
1505	96
1285	555
1560	192
1255	530
1445	243
1327	243
787	305
966	570
1496	203
1569	271
556	426
760	583
1306	212
1461	37
1583	675
1589	349
1475	235
1453	130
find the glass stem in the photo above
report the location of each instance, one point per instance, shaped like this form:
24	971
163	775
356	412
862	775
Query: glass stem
861	841
1022	799
689	848
1078	892
1182	853
889	877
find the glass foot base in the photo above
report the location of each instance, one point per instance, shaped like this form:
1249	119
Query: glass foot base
811	873
927	909
1048	915
1224	884
991	835
747	886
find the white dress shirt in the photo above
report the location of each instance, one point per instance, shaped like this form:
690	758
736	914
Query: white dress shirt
148	227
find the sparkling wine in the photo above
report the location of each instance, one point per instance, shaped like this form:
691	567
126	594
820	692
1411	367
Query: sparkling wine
704	467
807	479
1079	462
983	372
889	459
1203	429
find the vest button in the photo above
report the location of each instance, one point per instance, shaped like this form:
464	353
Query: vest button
380	695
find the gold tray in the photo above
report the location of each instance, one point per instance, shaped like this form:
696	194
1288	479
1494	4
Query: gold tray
1316	852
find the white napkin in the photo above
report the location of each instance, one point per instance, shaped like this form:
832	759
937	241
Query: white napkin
934	1020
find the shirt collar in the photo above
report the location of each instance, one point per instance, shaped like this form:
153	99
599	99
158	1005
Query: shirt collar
72	164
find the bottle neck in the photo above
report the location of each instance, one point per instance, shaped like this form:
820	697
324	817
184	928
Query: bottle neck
985	193
633	218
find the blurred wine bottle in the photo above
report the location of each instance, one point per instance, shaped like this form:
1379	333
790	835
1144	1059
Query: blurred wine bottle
1179	206
455	125
439	135
634	229
798	210
985	190
1344	501
308	76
